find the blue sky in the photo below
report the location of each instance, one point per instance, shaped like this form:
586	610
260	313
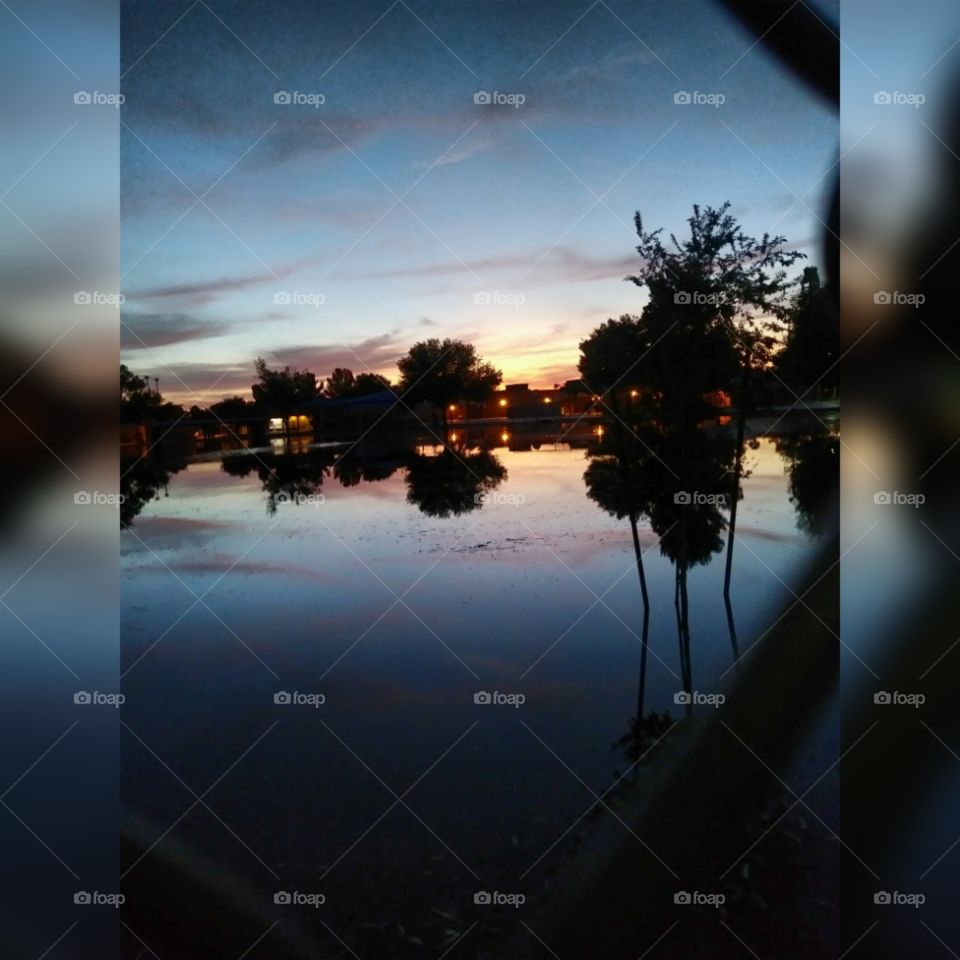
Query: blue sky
338	234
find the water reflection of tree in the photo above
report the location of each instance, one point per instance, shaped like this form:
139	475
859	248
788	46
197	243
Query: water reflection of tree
453	481
283	476
814	480
717	302
141	481
299	473
353	468
679	481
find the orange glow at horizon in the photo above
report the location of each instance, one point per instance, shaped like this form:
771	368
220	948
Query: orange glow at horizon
556	366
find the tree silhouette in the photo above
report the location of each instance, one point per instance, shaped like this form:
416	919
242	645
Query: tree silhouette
358	465
367	383
452	482
342	383
718	289
339	383
231	408
138	402
284	477
814	480
280	392
809	357
721	276
650	472
444	371
141	481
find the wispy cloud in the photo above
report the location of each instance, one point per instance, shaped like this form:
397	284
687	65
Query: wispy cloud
140	331
561	264
190	382
372	354
470	149
204	291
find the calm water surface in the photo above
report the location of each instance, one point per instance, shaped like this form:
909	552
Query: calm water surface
398	619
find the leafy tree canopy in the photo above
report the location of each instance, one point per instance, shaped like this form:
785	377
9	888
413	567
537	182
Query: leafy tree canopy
441	371
280	391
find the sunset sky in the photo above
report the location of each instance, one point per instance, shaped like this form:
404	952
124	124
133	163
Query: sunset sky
338	234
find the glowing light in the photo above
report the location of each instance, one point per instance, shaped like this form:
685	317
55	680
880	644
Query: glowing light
504	437
453	406
547	400
634	393
453	438
503	403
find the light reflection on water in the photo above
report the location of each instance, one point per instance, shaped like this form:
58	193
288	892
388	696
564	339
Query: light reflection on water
398	618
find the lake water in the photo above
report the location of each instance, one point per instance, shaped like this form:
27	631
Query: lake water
243	580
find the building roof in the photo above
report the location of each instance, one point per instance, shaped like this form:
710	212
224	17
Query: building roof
381	398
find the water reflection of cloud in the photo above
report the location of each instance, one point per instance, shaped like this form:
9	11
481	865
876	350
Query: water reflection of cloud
222	564
170	533
772	536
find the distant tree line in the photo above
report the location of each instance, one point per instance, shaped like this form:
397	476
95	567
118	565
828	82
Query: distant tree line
723	315
432	371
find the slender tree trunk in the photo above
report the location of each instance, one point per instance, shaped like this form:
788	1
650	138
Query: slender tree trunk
685	625
644	639
683	611
680	644
734	500
638	553
682	608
